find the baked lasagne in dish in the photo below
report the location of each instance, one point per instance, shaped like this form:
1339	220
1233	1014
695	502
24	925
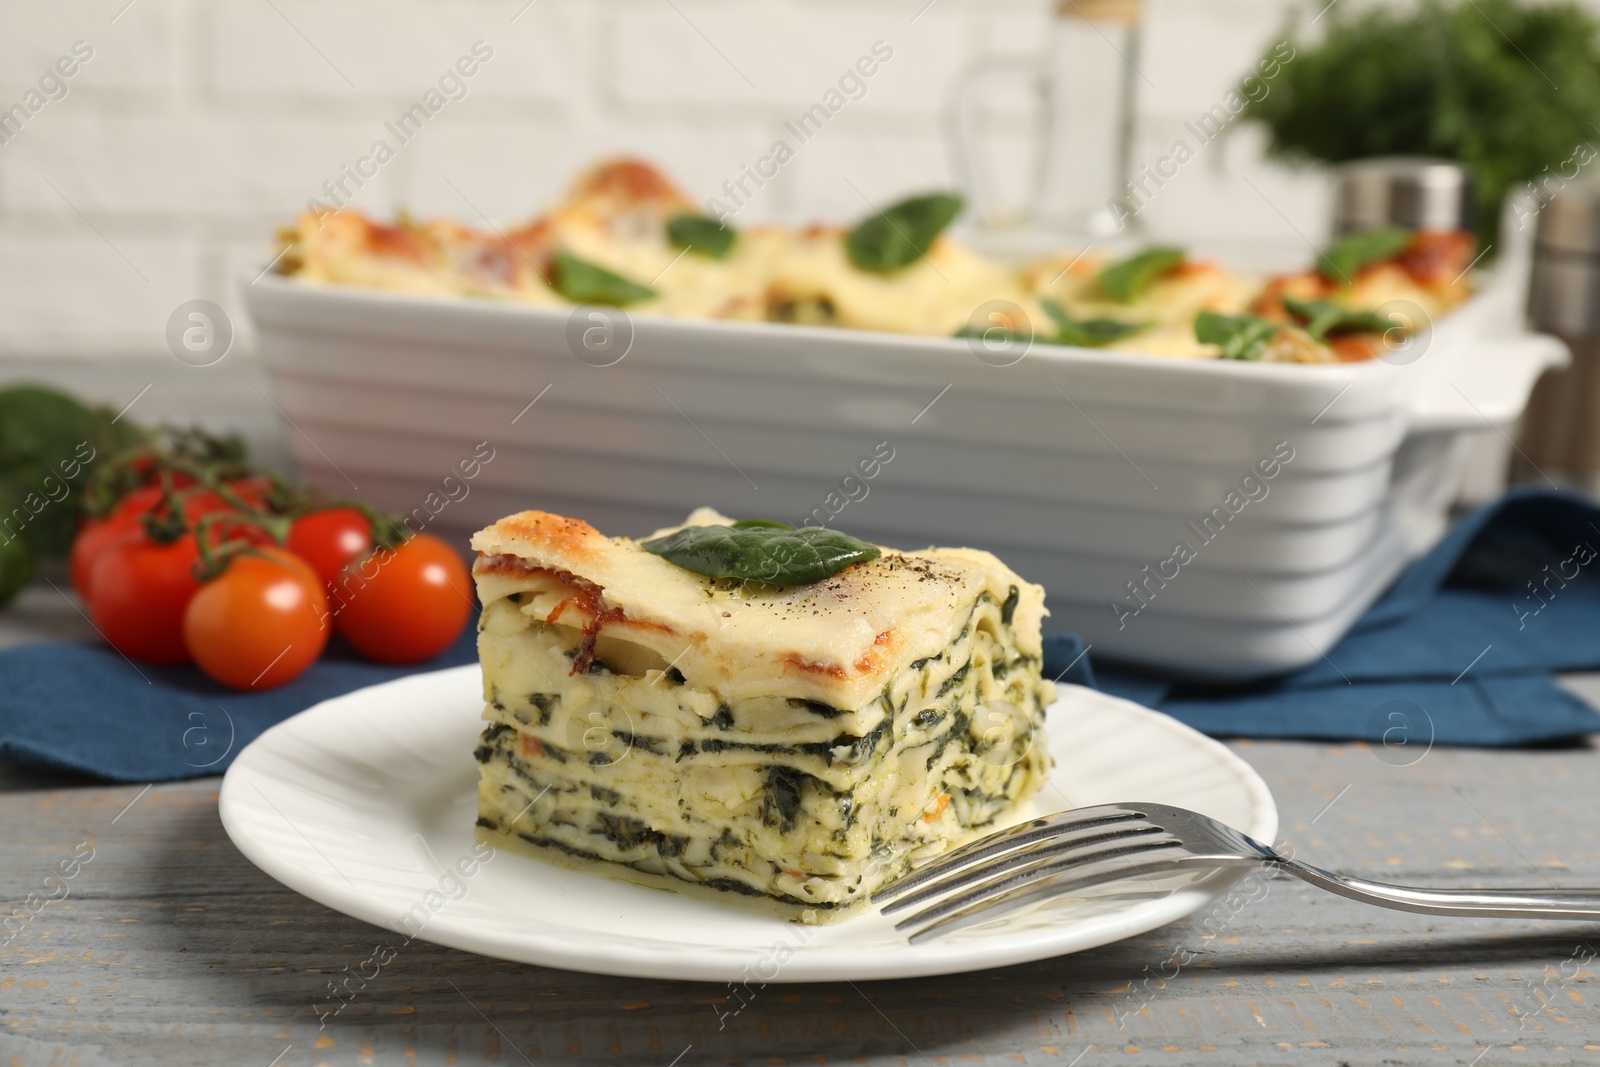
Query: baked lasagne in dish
627	236
793	743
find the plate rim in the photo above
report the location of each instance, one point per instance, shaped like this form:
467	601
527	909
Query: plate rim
720	963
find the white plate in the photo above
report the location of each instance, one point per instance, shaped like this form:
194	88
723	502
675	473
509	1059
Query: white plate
366	803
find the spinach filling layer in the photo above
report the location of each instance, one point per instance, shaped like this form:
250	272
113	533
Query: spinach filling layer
820	805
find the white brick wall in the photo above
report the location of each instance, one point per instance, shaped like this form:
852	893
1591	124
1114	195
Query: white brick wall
789	53
76	292
197	127
141	52
178	170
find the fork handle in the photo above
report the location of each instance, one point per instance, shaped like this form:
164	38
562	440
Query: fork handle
1489	903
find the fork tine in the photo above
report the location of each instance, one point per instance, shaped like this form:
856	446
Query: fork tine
1016	837
1006	879
1062	851
950	916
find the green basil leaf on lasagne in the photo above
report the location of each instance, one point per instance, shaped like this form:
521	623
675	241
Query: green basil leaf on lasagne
892	240
1088	333
1127	279
772	554
583	282
1344	260
701	235
1240	336
1323	319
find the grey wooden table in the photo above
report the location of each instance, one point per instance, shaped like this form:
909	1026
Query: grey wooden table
168	947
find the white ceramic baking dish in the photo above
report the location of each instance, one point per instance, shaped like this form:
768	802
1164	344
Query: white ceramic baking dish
1078	467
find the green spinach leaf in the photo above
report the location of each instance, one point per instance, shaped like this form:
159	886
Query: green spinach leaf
1324	318
892	240
1345	259
16	565
583	282
1128	278
770	553
1088	333
49	444
1241	336
701	235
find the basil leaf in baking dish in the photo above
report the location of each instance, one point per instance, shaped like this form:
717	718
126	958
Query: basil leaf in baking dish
583	282
701	235
1126	279
892	240
1324	318
1241	336
770	553
1345	259
994	334
1088	333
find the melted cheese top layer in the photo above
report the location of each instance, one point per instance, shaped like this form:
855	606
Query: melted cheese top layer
937	295
616	217
839	641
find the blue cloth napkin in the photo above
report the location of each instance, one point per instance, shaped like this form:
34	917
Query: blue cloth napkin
85	708
1461	650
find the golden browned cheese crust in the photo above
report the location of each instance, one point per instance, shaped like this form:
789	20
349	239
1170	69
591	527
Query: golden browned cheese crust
837	640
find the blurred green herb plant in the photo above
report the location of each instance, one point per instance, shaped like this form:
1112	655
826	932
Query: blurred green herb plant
56	467
1506	88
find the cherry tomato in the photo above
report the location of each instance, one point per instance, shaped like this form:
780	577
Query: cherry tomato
139	501
260	623
199	504
144	467
196	502
1436	256
147	468
97	535
404	605
138	590
330	540
253	491
93	539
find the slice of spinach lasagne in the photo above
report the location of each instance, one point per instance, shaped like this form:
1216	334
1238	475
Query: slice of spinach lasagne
798	746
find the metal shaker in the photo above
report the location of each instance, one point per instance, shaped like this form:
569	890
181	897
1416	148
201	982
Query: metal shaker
1413	191
1561	430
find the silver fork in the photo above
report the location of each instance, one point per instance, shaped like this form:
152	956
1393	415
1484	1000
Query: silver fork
1074	850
